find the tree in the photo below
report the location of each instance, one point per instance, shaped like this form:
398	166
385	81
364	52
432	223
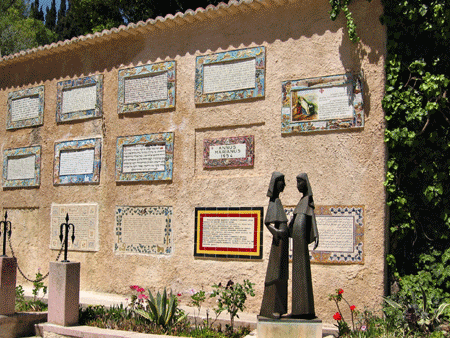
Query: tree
50	16
18	31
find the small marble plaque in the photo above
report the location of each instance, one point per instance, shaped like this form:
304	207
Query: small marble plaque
79	98
229	152
143	230
145	157
21	167
229	76
25	108
147	88
228	232
341	234
326	103
85	219
77	162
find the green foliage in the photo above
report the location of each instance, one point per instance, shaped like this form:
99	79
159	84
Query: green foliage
162	310
36	304
342	5
232	298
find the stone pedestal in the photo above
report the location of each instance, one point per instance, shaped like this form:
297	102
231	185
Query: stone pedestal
64	293
8	274
289	328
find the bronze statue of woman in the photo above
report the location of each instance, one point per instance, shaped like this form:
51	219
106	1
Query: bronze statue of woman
303	230
274	303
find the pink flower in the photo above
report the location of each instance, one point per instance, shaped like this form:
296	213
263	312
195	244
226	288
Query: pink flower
134	287
140	290
141	295
352	308
337	316
363	328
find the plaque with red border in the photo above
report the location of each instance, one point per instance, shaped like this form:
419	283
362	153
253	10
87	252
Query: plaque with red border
234	233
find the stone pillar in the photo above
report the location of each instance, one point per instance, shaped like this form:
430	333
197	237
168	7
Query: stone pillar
8	274
289	328
64	293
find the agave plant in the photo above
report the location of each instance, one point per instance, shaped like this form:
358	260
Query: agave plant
162	310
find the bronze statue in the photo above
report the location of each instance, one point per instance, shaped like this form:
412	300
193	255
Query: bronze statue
274	303
303	230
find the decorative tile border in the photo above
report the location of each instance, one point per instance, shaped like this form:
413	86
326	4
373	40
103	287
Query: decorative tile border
322	103
143	230
229	152
233	233
36	118
31	177
84	217
156	72
86	110
154	149
226	59
344	222
82	161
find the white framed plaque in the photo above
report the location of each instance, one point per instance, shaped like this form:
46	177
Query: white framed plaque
25	108
21	167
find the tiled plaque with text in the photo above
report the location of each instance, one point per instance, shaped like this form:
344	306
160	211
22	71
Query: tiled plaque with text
22	167
234	233
77	161
25	108
79	98
323	103
147	88
229	76
143	230
341	234
229	152
145	157
84	217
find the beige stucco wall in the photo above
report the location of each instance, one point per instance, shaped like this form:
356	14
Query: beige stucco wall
344	167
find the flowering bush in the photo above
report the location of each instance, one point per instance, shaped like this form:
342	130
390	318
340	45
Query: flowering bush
342	325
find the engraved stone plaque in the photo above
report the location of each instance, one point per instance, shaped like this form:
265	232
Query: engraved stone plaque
77	162
144	157
146	88
80	98
143	230
341	234
229	152
228	232
25	108
229	76
85	219
326	103
21	167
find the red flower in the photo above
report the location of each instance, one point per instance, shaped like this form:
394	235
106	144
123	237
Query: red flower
142	296
340	291
179	294
337	316
134	287
352	308
140	290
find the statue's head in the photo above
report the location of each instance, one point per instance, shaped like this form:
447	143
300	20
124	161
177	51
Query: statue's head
276	184
303	184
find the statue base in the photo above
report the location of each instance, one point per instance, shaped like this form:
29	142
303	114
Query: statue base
289	327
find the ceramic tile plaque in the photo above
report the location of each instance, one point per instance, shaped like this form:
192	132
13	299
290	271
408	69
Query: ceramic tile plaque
79	98
341	234
84	217
325	103
25	108
234	233
229	152
143	230
230	76
77	162
145	157
147	88
22	167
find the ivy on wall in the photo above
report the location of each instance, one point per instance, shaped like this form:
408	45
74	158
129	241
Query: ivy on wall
416	105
